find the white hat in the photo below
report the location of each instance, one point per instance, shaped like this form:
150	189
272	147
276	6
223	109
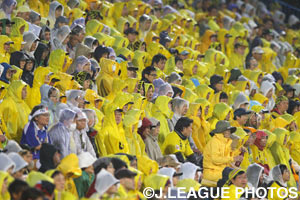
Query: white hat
258	50
104	181
20	163
86	159
6	162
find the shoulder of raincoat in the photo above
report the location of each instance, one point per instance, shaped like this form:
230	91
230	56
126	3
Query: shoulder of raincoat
220	111
56	60
14	110
150	168
4	56
3	177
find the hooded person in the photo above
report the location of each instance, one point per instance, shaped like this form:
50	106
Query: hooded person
49	157
17	31
158	183
4	177
14	110
55	10
7	72
189	171
109	71
18	58
49	98
217	154
172	174
60	133
5	42
41	55
162	112
57	61
179	107
280	175
20	165
69	166
75	99
7	7
221	111
60	38
268	90
255	176
35	131
114	134
31	43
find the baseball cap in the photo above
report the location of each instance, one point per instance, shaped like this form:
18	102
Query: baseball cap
125	173
241	111
258	50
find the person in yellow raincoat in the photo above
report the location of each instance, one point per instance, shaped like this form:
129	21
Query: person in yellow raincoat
237	58
40	78
135	142
208	37
280	151
57	60
104	81
17	31
205	92
217	153
221	111
236	178
114	135
69	166
4	194
14	110
161	111
159	183
118	86
5	42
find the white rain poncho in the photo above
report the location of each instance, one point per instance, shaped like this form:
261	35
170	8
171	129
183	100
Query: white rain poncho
89	40
29	38
46	101
177	108
174	77
80	62
86	160
250	10
189	170
265	87
297	89
91	115
58	38
12	146
228	22
276	175
104	181
60	133
279	17
240	100
293	20
20	163
165	89
6	162
51	16
167	171
254	172
72	96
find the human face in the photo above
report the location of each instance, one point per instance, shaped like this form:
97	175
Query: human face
224	101
131	37
184	110
43	119
33	46
24	92
199	112
47	36
147	25
131	73
175	180
66	40
242	119
179	65
219	86
8	29
80	124
19	174
80	101
195	69
118	117
22	29
240	180
187	131
155	131
58	12
112	190
227	133
269	94
54	97
151	77
161	64
86	84
81	36
6	47
286	175
227	116
4	186
110	168
283	106
9	74
241	50
250	140
90	169
263	141
149	94
257	56
146	131
128	183
59	182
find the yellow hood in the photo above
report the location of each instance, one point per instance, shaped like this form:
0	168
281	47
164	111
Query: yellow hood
241	85
292	80
15	90
18	74
281	133
132	84
271	138
132	117
35	177
40	75
70	165
3	40
254	75
107	66
289	118
121	24
125	52
193	109
118	8
156	181
91	96
162	105
221	110
139	59
15	29
260	98
204	103
280	122
104	39
56	60
221	36
120	42
150	168
204	91
4	176
123	99
93	26
188	183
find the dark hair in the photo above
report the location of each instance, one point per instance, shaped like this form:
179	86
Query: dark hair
77	29
157	58
177	58
51	90
31	194
99	51
130	157
223	95
101	163
35	108
118	163
147	71
282	168
55	173
210	8
182	123
17	186
239	173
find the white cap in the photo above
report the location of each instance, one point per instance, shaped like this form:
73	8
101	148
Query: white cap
20	163
86	159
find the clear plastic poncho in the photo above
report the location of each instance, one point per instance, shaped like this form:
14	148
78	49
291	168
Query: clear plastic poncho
239	100
104	181
189	170
29	38
165	89
80	62
6	162
276	175
254	172
59	36
20	163
72	96
167	171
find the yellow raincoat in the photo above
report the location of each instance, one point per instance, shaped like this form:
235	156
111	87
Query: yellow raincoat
93	26
16	35
104	39
4	56
270	142
117	86
135	142
267	60
205	92
280	151
206	40
220	112
295	150
57	60
4	194
150	168
162	112
156	181
34	94
69	166
114	135
109	71
217	156
14	110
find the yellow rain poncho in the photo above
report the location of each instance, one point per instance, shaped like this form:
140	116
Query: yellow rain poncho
35	177
120	42
267	60
161	111
114	135
121	22
93	26
150	168
147	104
118	86
134	140
57	60
280	151
221	111
261	99
104	81
4	56
201	127
4	193
206	40
295	150
14	110
205	92
34	94
156	181
16	34
268	152
69	166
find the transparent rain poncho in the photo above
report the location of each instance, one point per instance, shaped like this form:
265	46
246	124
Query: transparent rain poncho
89	40
165	89
6	162
174	77
52	8
91	115
104	181
177	104
240	99
59	36
254	172
20	163
80	62
29	38
72	96
189	170
60	133
80	21
276	175
167	171
265	87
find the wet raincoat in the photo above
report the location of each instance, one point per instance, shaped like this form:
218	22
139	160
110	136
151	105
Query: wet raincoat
4	195
217	156
162	112
156	181
14	110
57	60
265	87
220	112
51	16
69	166
4	56
16	35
